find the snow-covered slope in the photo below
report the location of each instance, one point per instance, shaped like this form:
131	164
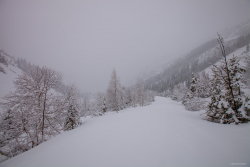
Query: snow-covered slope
240	53
11	71
158	76
235	31
162	134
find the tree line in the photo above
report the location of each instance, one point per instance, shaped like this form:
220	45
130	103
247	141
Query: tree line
221	93
42	106
194	62
116	97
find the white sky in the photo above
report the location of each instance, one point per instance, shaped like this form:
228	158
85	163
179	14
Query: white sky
86	39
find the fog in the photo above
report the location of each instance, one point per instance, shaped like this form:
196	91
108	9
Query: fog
86	39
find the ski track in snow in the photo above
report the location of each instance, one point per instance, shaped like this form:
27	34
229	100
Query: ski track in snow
161	134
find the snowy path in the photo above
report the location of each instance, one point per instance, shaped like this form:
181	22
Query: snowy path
162	134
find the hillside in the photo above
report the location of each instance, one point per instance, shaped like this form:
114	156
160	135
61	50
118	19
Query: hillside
162	134
9	72
200	58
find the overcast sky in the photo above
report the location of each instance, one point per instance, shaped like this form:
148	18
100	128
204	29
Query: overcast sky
86	39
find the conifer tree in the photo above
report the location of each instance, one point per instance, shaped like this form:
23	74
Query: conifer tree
247	67
193	86
227	100
72	119
192	100
113	92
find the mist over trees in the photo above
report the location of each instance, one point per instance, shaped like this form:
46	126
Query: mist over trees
42	106
224	86
194	62
118	97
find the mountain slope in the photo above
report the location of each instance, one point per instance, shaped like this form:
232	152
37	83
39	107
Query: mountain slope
162	134
179	71
8	75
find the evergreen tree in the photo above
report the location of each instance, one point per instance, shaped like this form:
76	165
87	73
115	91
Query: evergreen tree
189	100
192	100
72	119
227	100
113	92
193	86
247	67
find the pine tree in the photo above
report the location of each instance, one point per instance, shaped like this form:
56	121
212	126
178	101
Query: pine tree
72	119
192	99
226	102
247	67
104	108
193	86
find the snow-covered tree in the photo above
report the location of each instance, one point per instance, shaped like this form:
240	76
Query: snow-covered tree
247	67
226	104
179	92
35	107
140	94
86	105
72	120
12	129
134	99
150	96
128	97
114	92
100	105
199	88
72	117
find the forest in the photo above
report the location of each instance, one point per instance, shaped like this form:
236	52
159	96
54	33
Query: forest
42	106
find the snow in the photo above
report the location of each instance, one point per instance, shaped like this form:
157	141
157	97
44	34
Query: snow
161	134
7	85
240	53
6	80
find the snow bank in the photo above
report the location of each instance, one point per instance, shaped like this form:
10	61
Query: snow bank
162	134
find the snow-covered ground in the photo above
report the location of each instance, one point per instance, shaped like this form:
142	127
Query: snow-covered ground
162	134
